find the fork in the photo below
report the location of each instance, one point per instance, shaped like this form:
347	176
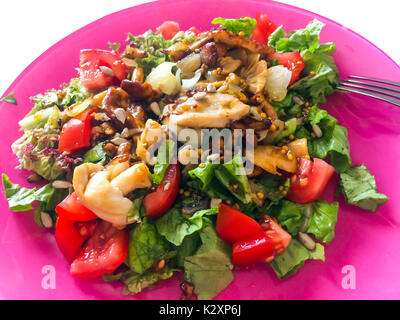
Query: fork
384	90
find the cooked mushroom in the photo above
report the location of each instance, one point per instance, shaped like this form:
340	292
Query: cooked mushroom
213	110
103	189
228	65
255	72
234	40
152	133
271	158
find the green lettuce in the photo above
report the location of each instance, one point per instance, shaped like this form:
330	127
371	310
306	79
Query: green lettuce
165	153
96	155
318	218
320	76
10	98
146	246
333	141
136	282
217	180
294	257
244	24
152	44
359	188
21	198
210	268
175	226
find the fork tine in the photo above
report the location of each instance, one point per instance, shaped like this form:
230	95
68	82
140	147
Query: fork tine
376	96
393	83
374	85
380	91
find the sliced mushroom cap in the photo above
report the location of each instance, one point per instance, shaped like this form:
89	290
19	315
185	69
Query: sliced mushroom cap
255	72
212	110
152	133
271	158
103	190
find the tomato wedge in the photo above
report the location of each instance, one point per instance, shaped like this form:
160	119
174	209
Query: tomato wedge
233	226
263	247
263	29
71	235
75	134
161	200
71	208
92	76
292	61
310	180
256	249
168	29
104	252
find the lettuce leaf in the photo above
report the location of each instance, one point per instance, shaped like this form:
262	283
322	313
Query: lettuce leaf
175	226
165	153
220	180
297	40
317	218
333	141
152	44
244	24
320	76
10	98
359	188
136	282
294	257
146	246
96	155
210	268
21	199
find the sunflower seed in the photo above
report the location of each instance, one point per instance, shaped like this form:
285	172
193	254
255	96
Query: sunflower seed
317	130
306	240
47	221
155	108
118	141
60	184
120	114
107	71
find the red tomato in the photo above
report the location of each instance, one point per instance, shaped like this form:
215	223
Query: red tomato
310	181
161	200
291	60
92	77
233	225
104	252
256	249
71	235
263	29
71	208
75	134
168	29
194	30
262	247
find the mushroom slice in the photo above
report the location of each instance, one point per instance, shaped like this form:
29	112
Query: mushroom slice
211	110
153	132
234	40
229	65
255	72
271	158
104	194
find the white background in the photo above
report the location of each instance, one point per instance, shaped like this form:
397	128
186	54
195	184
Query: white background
29	27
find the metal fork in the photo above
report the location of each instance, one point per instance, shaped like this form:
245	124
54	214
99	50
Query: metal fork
384	90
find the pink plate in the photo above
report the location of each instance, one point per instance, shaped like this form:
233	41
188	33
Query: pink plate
367	242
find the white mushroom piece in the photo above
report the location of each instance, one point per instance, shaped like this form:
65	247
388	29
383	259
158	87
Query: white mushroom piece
153	133
103	189
255	73
208	110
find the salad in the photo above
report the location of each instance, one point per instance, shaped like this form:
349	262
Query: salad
191	151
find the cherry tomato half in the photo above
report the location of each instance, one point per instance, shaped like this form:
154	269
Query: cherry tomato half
161	200
310	180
